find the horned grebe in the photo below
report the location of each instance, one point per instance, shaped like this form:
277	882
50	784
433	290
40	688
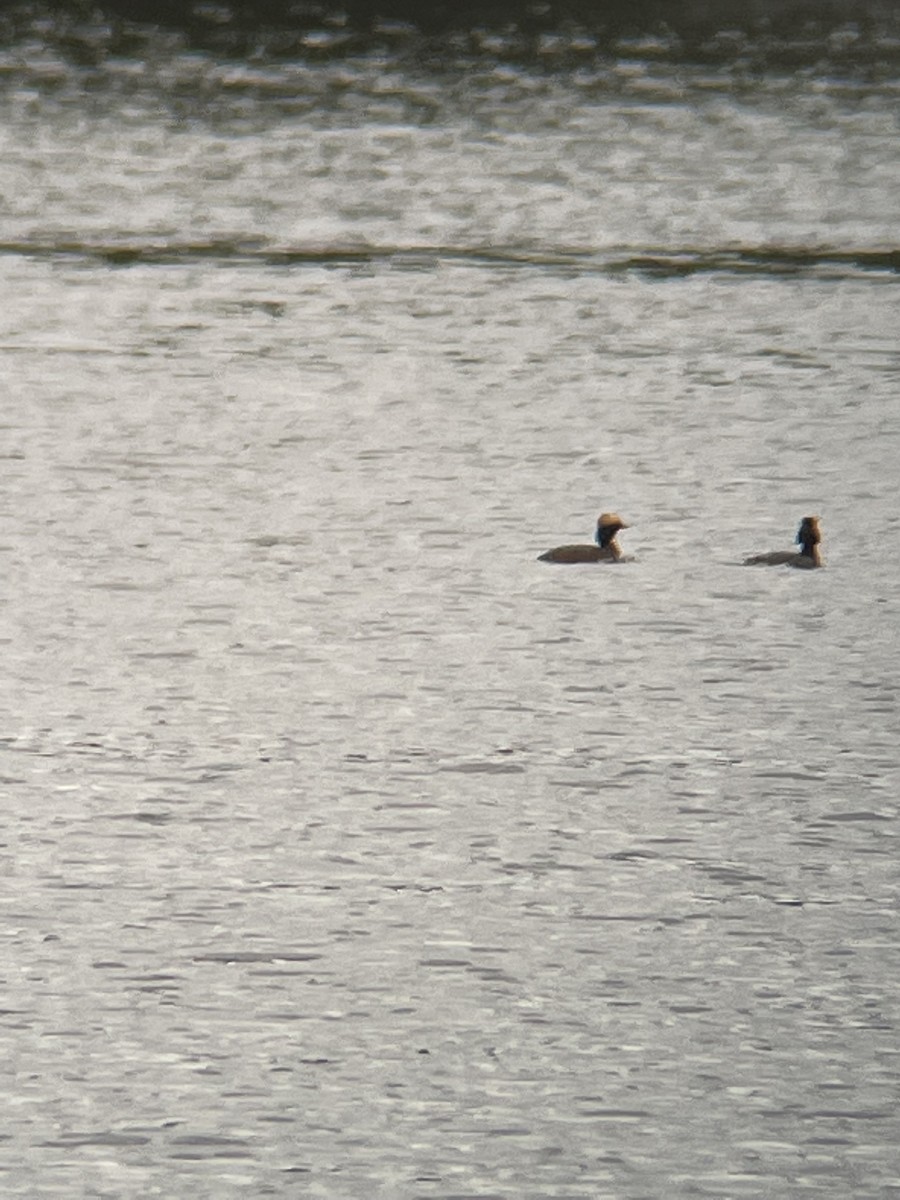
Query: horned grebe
606	550
808	537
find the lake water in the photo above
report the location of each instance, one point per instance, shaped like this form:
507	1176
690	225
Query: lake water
348	851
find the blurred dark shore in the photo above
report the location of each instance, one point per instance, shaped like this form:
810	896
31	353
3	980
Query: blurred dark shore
842	36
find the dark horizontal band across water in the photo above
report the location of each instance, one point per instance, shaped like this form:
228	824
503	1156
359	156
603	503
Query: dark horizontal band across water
765	260
780	34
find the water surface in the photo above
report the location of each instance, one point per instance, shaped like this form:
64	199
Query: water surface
349	850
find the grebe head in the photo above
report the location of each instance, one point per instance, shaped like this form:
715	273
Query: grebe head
608	525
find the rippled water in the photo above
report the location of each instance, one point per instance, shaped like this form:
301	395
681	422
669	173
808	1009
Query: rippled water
349	851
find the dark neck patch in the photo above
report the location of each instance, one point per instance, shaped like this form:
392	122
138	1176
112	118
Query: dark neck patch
807	536
605	534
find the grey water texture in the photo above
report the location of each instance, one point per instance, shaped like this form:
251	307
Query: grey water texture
349	851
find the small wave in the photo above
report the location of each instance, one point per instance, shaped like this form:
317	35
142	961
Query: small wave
832	262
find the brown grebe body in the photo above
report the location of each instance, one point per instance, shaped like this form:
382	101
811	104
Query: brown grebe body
809	535
607	548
